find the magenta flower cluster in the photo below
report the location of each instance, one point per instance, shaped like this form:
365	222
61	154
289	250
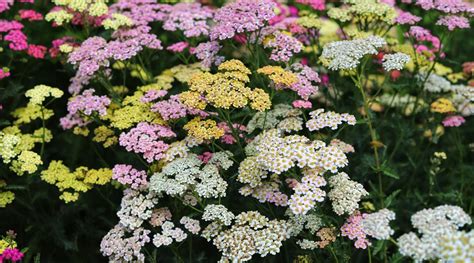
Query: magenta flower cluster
11	255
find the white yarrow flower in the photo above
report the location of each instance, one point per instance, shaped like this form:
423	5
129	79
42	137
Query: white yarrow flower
346	54
395	61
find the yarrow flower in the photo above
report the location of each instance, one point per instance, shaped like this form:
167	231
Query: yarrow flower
442	105
346	54
320	119
251	234
345	194
191	18
116	20
146	138
218	213
395	61
433	225
11	254
453	22
406	18
119	246
457	246
225	89
377	225
87	104
39	93
353	230
283	46
453	121
127	175
241	16
178	47
30	15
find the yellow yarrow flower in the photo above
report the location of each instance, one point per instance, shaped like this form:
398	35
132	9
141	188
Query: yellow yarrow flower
98	177
30	113
309	21
59	17
8	146
66	48
456	77
71	184
183	73
6	198
278	75
116	21
98	9
260	100
203	129
83	131
7	243
224	89
192	99
39	93
442	105
105	135
26	162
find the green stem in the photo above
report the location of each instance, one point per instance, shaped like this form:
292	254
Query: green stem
333	254
372	131
43	135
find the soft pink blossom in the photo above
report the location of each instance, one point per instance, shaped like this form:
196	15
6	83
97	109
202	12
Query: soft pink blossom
178	47
453	121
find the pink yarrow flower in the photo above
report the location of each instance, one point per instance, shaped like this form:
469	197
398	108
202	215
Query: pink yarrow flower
152	95
37	51
302	104
5	5
353	230
205	157
4	72
17	39
11	254
241	16
453	22
145	139
178	47
127	175
453	121
406	18
87	103
30	15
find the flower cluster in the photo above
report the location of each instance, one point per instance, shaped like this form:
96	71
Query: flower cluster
347	54
433	225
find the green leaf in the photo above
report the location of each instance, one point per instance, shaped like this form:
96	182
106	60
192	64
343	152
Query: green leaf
388	201
390	172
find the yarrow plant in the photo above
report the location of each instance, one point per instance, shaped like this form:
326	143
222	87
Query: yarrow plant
236	131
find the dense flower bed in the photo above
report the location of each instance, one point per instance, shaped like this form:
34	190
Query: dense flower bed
235	131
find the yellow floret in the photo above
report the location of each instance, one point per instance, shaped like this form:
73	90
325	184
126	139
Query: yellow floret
59	17
116	21
6	198
278	75
39	93
442	105
26	162
203	129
